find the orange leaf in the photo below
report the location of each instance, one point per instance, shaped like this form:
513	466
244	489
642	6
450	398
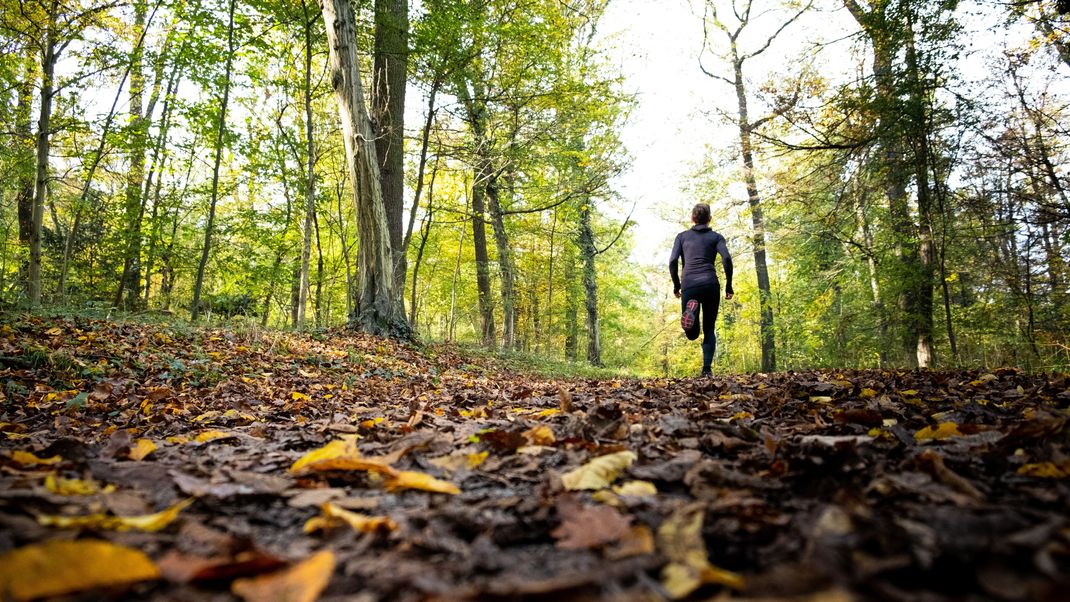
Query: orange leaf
302	582
409	479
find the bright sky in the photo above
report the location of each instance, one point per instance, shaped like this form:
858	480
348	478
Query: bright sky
674	127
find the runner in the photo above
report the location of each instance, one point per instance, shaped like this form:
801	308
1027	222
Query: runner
700	293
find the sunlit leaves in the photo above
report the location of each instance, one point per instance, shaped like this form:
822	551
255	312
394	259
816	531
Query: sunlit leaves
59	567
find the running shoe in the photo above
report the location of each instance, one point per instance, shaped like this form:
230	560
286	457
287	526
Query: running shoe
687	320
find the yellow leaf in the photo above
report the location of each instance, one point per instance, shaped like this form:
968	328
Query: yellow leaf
340	454
302	582
298	396
177	439
334	515
867	392
207	436
142	448
680	540
984	378
909	393
547	413
1046	470
58	567
62	486
598	473
607	497
540	435
474	460
409	479
943	431
146	522
29	459
636	488
741	416
820	399
56	331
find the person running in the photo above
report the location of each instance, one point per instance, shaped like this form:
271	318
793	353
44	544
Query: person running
700	293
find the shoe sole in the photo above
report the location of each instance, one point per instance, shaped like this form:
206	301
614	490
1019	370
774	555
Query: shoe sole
687	320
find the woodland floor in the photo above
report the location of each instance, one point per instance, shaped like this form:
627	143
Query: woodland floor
823	485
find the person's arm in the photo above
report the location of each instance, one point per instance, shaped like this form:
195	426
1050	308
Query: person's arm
673	268
726	261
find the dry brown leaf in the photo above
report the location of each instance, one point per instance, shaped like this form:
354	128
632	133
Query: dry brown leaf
591	527
302	582
540	435
58	567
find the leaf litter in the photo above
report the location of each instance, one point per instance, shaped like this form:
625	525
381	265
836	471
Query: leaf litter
166	463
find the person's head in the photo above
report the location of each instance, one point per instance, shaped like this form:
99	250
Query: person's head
700	214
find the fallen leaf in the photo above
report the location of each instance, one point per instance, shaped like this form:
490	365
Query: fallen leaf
63	486
409	479
680	539
636	488
944	430
59	567
1046	470
599	472
142	448
207	436
340	454
148	522
30	459
540	435
592	527
638	541
302	582
334	515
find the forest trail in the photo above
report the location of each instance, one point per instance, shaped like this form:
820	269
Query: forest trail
186	463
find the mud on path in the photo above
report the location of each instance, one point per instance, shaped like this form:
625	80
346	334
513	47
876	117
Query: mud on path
162	463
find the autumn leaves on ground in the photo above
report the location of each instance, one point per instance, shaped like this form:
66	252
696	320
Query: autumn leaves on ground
159	462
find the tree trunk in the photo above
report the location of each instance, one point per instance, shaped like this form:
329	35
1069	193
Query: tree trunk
479	241
221	129
506	266
378	308
44	125
24	136
130	282
590	285
425	231
765	295
389	73
922	317
310	179
456	275
572	328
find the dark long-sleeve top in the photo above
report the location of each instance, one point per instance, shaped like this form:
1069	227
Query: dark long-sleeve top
698	249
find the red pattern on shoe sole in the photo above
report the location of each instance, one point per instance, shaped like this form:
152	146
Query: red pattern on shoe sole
687	320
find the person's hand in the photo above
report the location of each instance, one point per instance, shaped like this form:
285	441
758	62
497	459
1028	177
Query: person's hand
729	296
677	293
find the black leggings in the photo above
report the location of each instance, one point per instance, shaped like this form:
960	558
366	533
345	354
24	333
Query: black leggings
709	300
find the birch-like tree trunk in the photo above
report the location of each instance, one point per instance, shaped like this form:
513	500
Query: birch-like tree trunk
377	309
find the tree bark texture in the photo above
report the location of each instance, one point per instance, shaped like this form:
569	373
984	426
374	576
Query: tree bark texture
44	126
389	73
310	179
25	145
590	286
